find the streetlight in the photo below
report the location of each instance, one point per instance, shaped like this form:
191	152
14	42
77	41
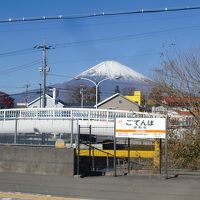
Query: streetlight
96	84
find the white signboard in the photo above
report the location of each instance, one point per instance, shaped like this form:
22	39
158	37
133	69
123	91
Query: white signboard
140	127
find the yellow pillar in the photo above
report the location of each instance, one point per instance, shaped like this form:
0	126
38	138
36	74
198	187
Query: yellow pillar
156	159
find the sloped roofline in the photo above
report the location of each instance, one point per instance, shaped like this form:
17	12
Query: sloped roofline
47	95
112	97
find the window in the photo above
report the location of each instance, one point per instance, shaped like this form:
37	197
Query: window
111	108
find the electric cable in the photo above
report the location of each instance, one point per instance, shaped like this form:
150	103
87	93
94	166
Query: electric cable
102	14
20	67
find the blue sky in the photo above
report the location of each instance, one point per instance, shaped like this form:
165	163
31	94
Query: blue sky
136	41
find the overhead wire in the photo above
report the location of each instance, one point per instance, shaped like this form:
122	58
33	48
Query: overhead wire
95	23
125	37
102	14
12	86
10	70
108	39
20	67
18	52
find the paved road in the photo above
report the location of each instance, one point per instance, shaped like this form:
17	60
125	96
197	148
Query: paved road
104	188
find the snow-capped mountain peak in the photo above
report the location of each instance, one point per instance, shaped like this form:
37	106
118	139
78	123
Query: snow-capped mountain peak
129	79
113	69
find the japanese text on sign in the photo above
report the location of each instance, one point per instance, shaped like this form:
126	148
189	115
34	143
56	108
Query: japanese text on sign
141	127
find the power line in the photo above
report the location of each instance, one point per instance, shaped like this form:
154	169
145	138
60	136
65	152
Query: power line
102	14
18	52
58	75
12	86
99	59
108	39
20	67
94	23
126	37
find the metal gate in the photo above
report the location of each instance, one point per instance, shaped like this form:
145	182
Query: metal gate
95	154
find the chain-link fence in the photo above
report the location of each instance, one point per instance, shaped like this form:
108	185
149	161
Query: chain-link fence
95	150
183	154
35	139
95	153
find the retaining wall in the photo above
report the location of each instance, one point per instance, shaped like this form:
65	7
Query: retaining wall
37	160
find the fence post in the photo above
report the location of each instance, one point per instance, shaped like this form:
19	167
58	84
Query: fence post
78	152
107	162
43	138
93	167
90	141
114	162
129	155
72	132
156	159
4	115
166	151
15	135
160	156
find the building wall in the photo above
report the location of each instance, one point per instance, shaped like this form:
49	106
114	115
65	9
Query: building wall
119	103
37	160
159	109
50	103
137	97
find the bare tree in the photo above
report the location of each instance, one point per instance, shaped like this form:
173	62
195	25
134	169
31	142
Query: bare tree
128	91
179	79
117	89
6	101
85	92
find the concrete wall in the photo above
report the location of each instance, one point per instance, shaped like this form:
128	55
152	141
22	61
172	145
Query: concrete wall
37	160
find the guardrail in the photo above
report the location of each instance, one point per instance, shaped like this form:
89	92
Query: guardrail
69	113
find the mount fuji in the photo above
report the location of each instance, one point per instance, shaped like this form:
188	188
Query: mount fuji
113	69
108	74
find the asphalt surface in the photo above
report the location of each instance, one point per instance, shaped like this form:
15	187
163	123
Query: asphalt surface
104	188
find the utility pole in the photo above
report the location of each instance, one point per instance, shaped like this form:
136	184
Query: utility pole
40	93
26	98
44	69
81	92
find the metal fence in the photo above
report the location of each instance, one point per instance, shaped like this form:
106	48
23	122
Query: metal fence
42	139
75	113
95	154
183	154
147	156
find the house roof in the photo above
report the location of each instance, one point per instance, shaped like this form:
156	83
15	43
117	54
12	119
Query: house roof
112	97
47	95
179	101
183	113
